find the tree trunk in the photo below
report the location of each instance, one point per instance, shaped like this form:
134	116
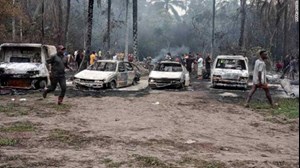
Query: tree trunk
84	62
135	28
42	29
14	24
67	22
127	30
213	29
243	20
60	22
285	30
108	24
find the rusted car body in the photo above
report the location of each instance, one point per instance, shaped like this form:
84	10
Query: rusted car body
107	74
230	71
169	73
23	65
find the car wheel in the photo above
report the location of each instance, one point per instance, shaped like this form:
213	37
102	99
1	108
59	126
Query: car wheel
42	84
112	85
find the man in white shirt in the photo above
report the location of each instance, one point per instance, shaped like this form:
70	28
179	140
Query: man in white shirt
259	78
200	66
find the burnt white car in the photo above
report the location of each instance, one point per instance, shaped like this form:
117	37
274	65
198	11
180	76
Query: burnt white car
230	71
107	74
23	65
169	73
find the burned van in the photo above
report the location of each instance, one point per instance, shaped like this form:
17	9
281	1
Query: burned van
23	65
230	71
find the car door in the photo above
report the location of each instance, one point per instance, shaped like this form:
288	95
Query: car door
122	76
130	73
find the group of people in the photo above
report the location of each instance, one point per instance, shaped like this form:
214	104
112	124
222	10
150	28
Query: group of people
288	67
194	63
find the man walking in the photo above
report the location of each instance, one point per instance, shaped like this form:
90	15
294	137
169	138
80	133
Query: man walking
57	73
259	78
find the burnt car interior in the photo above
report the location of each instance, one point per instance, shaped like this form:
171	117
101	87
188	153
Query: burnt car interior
21	54
103	66
231	64
168	67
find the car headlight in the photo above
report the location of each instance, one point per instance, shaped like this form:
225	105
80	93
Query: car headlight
243	79
33	72
98	82
217	77
151	80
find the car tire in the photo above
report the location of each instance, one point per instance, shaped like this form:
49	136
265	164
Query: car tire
42	84
112	85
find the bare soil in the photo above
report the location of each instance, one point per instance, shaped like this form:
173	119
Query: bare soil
161	129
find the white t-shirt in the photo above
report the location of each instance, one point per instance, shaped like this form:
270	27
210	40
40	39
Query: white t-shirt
260	66
200	62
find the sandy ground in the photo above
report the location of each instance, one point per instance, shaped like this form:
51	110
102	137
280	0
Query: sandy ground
159	128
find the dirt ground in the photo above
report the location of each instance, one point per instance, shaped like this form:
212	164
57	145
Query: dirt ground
164	129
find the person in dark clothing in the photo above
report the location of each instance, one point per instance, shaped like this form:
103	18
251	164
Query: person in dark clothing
79	58
207	67
57	75
189	61
286	65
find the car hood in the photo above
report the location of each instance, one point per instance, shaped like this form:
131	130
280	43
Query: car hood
168	75
226	72
20	68
94	75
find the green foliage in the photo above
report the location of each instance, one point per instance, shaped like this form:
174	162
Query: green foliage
18	127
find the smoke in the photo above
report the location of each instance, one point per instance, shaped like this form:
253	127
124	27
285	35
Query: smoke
175	52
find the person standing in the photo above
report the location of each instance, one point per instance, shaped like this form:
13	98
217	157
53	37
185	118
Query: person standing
79	58
92	58
207	66
57	73
286	65
293	68
200	66
259	78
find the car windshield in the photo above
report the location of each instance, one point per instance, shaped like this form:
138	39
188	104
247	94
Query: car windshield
103	66
231	64
168	67
21	54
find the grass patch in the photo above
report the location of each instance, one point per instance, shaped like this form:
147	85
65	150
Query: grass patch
67	137
15	109
200	163
8	142
19	127
110	163
61	108
286	107
149	161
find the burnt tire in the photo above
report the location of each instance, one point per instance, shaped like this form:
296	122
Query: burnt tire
113	85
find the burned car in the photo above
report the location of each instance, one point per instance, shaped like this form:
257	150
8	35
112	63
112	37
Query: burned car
230	71
23	65
107	74
169	73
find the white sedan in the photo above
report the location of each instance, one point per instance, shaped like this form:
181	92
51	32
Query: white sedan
169	73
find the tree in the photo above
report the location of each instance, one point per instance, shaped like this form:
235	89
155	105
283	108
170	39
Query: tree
213	29
135	28
243	20
169	6
108	23
127	30
67	22
84	62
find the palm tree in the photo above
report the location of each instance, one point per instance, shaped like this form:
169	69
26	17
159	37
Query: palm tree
67	22
135	27
169	6
83	64
213	30
127	30
108	23
243	20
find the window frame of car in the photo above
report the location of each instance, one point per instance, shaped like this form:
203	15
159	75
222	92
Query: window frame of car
128	67
121	63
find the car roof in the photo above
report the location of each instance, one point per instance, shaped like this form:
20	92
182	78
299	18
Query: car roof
169	62
231	57
20	45
111	61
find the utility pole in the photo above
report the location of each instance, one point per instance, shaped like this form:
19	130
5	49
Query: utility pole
14	24
43	13
127	30
135	28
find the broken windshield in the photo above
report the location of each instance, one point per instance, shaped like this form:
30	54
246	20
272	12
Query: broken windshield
103	66
168	67
231	64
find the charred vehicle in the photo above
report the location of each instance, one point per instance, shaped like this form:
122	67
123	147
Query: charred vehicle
169	73
230	71
107	74
23	65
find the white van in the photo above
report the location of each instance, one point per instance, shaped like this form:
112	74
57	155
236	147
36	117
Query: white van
23	65
230	71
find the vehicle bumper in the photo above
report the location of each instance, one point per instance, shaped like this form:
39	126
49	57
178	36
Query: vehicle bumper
230	83
90	85
162	85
